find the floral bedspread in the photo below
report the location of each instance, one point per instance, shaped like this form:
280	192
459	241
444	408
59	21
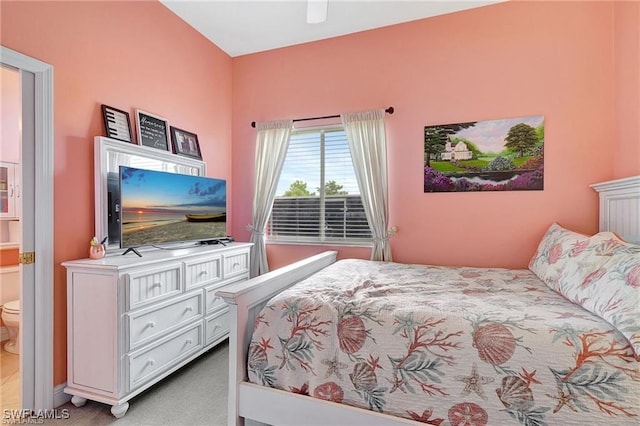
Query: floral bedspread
446	346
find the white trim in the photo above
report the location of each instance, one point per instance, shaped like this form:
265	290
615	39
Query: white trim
327	244
59	397
42	387
10	245
632	182
9	269
257	402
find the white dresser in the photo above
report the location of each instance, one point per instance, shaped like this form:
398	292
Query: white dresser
131	321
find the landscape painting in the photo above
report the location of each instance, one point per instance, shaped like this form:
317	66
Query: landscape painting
491	155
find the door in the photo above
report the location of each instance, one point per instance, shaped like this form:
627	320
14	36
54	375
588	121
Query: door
27	242
36	325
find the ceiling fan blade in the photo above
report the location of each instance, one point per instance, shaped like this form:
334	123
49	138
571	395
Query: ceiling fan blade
316	11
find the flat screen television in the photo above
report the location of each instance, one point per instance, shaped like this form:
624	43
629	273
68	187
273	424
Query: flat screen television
159	208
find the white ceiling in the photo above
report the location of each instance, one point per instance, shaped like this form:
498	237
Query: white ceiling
240	27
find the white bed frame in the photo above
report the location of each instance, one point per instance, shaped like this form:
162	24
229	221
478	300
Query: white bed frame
620	207
619	212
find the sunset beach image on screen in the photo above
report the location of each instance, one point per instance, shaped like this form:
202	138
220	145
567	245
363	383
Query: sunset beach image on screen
162	207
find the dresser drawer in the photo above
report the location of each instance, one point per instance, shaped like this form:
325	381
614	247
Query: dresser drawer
149	286
199	272
236	264
216	326
145	364
152	322
212	302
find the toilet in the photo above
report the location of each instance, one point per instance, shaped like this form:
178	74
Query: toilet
11	319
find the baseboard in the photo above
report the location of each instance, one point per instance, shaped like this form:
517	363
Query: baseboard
59	397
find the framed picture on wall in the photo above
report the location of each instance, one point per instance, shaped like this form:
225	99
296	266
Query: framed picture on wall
491	155
117	124
185	143
152	130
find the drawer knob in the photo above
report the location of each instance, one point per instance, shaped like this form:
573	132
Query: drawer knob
189	341
156	285
204	273
150	362
235	265
216	326
188	309
151	324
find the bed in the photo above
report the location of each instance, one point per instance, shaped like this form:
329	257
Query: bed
372	343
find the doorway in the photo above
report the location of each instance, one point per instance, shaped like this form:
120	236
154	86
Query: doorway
36	231
10	269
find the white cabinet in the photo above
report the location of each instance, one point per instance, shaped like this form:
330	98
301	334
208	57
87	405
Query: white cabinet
9	190
133	321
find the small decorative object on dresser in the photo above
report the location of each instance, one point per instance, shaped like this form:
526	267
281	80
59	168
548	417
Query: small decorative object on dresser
152	130
131	322
96	249
185	143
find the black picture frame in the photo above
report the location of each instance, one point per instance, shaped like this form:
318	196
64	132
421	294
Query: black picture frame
117	124
152	130
185	143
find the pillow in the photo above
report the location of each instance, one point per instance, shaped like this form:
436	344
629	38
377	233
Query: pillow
561	252
610	287
600	273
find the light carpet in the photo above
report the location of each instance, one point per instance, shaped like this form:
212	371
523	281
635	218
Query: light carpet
194	395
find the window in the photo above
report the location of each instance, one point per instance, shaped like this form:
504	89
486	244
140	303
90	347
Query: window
318	199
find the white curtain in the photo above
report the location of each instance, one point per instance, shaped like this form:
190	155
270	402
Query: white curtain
368	144
272	141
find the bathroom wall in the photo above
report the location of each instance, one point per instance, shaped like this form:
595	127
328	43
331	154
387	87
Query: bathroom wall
9	152
10	115
10	99
10	287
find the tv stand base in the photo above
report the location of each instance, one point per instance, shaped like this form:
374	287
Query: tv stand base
133	250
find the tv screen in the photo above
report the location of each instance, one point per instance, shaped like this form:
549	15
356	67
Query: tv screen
161	207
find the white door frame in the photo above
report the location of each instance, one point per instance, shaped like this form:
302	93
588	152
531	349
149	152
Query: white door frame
37	361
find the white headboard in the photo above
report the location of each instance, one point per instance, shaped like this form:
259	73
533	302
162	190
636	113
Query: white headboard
620	207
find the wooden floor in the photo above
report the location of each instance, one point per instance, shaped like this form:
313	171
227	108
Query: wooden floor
9	380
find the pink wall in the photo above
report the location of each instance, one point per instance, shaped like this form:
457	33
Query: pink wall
128	55
506	60
627	88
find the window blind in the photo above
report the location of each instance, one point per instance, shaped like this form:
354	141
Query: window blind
318	199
